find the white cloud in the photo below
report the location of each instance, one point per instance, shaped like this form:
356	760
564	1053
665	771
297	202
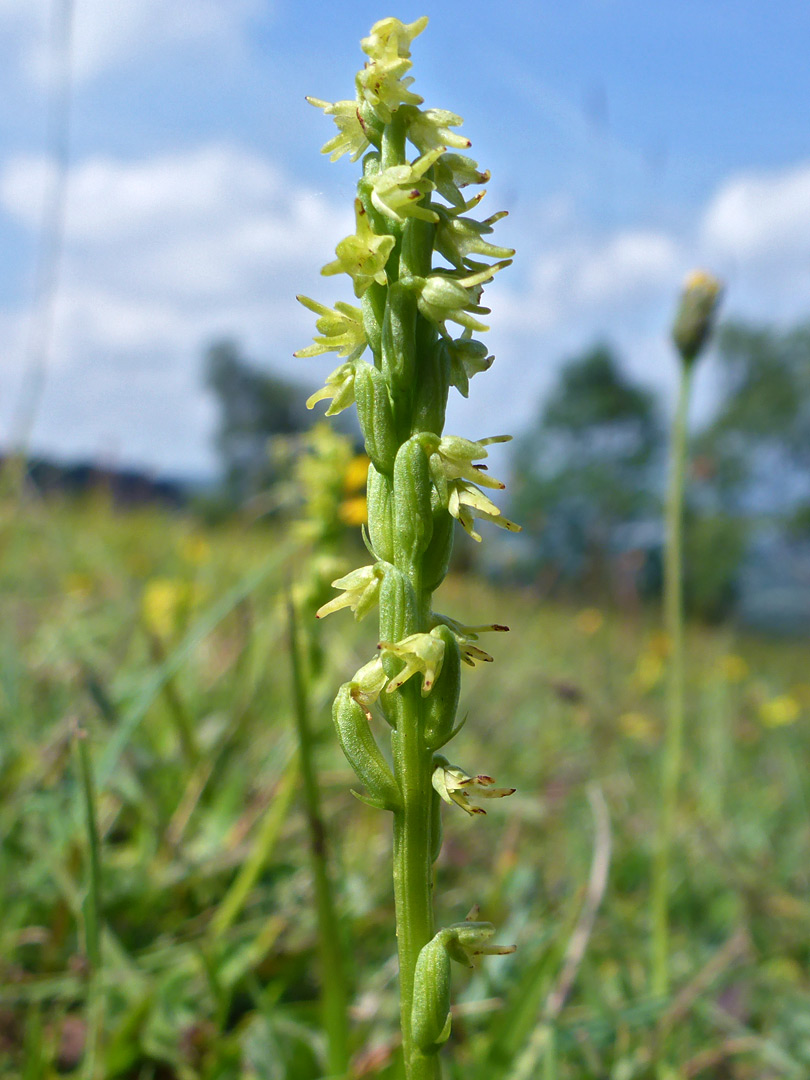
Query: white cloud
109	34
166	253
764	216
162	256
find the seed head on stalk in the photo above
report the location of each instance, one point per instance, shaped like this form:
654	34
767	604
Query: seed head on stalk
410	208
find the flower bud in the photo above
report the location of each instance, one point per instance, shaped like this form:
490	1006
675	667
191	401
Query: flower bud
696	313
361	750
380	499
436	560
430	1016
413	514
440	707
467	358
399	338
398	606
375	416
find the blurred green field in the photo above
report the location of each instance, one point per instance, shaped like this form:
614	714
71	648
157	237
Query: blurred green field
164	643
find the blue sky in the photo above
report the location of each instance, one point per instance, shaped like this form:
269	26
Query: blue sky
630	141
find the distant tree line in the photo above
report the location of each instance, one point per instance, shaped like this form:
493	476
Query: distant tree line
589	473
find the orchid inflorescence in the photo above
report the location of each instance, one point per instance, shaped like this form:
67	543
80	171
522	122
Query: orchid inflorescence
417	321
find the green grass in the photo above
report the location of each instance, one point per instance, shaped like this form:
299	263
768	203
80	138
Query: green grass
206	922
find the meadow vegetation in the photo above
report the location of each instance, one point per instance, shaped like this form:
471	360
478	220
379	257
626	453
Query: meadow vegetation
161	643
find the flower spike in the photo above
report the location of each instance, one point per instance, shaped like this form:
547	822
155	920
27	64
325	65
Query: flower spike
419	261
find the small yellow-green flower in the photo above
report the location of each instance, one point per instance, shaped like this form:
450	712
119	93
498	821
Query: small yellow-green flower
453	457
430	129
467	358
467	502
361	590
444	297
362	255
421	654
458	238
391	37
398	191
340	329
352	137
456	787
339	387
369	682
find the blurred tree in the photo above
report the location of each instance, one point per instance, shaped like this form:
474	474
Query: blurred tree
751	464
754	457
586	467
254	405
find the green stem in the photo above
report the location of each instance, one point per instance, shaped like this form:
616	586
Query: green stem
413	869
91	910
673	745
334	1000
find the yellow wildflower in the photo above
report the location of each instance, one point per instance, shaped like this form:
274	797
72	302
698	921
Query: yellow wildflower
733	668
354	511
589	621
164	602
779	711
195	550
78	585
649	670
354	479
660	644
637	726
